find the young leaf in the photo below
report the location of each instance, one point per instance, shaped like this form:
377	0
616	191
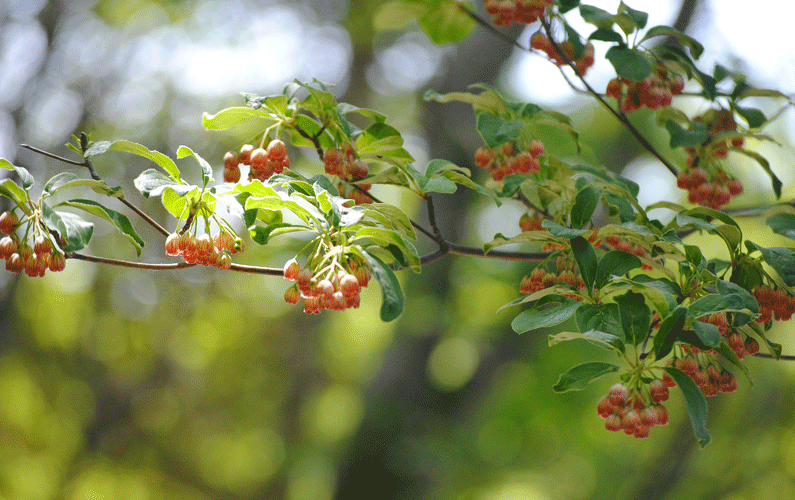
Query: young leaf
695	47
152	182
585	256
639	18
563	232
601	318
121	221
12	191
755	118
76	231
64	180
765	166
578	377
549	311
24	176
236	116
206	169
131	147
696	404
392	294
601	339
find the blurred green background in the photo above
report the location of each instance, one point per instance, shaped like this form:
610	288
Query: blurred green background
122	384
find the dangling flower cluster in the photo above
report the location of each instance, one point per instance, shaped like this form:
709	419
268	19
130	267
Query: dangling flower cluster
20	255
539	41
714	194
505	12
774	304
716	122
705	371
216	251
734	339
653	92
540	278
335	287
629	412
262	163
342	162
505	160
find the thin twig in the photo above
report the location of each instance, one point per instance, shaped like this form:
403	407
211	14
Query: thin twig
53	156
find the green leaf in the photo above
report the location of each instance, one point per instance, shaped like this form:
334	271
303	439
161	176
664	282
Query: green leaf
615	263
606	35
585	202
120	221
730	298
604	340
76	231
585	256
696	404
236	116
563	232
152	182
596	16
578	377
392	295
753	116
766	166
12	191
175	203
670	329
602	318
206	169
465	181
64	180
25	178
448	21
396	14
549	311
131	147
687	138
628	63
695	47
781	259
783	224
635	316
639	18
496	130
707	333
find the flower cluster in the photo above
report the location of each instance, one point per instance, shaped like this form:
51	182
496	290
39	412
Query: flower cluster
715	193
706	372
653	92
216	251
343	163
505	12
629	412
18	253
262	162
774	304
505	160
334	288
540	278
539	41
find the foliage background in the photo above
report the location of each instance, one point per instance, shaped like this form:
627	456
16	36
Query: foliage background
199	384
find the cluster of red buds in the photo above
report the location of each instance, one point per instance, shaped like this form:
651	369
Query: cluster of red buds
216	251
716	122
343	163
616	242
653	92
734	339
540	278
21	256
539	41
505	12
715	193
262	163
708	375
505	160
628	412
774	304
332	289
